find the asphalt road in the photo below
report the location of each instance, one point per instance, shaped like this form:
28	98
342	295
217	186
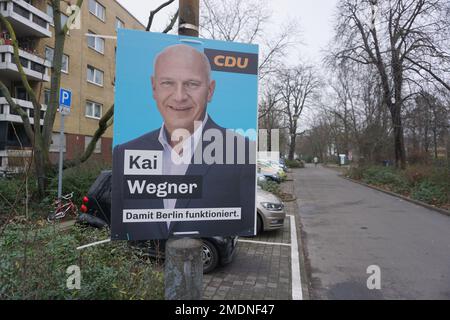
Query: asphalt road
348	227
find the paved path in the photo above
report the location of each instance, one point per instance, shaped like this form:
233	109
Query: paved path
259	271
263	266
348	227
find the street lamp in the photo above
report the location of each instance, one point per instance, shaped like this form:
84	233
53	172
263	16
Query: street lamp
296	117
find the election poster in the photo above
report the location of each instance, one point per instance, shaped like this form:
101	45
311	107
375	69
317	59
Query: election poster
185	129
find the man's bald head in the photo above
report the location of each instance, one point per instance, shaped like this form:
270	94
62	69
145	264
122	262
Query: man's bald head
182	86
182	51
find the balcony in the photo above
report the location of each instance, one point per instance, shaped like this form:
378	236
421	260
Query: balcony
27	21
7	113
35	67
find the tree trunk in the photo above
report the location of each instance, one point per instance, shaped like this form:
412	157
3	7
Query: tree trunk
41	174
435	143
292	147
399	146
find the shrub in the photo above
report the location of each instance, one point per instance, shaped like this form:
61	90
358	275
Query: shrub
270	186
388	177
295	163
77	179
13	195
423	183
355	172
431	193
34	260
416	174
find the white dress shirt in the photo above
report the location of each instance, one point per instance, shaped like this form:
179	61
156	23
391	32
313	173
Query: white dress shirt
177	164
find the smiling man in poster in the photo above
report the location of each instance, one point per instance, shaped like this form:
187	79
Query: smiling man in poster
182	173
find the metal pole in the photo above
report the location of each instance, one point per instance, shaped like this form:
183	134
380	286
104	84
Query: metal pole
61	157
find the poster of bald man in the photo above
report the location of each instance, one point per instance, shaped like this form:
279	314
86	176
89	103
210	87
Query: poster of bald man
185	127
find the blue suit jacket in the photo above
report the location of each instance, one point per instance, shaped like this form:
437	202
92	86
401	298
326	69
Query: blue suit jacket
224	186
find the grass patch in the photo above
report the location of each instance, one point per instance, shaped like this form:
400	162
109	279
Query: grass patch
34	259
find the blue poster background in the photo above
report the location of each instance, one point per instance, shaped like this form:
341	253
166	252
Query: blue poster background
234	104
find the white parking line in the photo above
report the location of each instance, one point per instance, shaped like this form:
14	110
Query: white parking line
297	293
263	242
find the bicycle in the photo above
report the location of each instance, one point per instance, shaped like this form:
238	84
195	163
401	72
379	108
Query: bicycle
63	207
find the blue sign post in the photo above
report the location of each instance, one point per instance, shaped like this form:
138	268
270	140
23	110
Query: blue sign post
65	102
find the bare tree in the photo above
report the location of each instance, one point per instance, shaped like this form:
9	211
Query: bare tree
40	137
270	111
400	38
298	87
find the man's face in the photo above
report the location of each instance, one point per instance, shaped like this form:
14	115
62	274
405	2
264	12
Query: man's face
181	87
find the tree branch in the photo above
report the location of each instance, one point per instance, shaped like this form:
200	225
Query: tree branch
152	13
172	22
104	123
26	120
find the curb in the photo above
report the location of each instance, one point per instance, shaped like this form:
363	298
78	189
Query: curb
420	203
302	254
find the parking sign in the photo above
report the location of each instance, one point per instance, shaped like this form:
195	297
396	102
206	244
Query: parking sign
65	101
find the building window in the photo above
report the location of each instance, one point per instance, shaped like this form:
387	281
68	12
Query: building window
97	9
50	13
21	11
96	43
37	67
119	24
47	97
39	21
98	145
95	76
49	53
56	139
65	64
93	110
21	93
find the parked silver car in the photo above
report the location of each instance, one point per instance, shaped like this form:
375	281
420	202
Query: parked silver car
270	209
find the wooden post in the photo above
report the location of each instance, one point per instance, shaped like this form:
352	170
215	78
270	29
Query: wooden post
189	18
183	277
183	272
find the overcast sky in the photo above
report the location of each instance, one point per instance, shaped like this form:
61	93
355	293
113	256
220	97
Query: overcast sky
314	18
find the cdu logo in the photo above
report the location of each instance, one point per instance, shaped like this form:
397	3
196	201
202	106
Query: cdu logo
231	61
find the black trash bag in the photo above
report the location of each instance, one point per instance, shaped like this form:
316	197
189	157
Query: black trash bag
90	220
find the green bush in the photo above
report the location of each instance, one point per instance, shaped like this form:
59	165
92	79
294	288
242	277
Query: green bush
424	183
34	260
295	163
355	172
270	186
13	195
388	177
77	179
430	193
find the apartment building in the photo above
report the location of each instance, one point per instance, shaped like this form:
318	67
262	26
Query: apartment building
88	72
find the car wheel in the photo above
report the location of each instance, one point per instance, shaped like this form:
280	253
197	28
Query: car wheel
210	256
259	225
